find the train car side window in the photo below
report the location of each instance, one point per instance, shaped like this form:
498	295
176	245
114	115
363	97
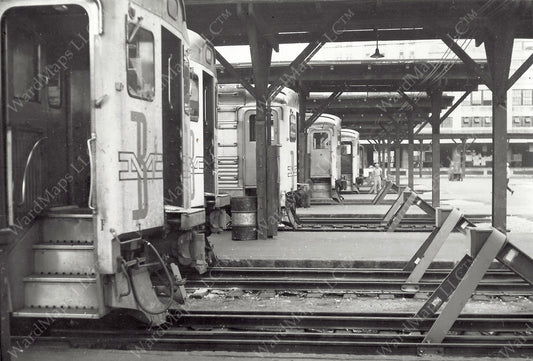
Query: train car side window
140	63
251	128
27	59
320	140
173	9
187	83
293	130
195	98
54	91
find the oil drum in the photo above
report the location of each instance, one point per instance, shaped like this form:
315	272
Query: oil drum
243	218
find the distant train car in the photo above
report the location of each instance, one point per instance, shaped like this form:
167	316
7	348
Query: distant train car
95	136
350	158
324	149
236	140
203	138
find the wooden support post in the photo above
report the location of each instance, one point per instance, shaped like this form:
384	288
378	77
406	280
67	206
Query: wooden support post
463	158
379	149
499	47
302	137
410	152
436	106
421	158
261	54
389	157
397	155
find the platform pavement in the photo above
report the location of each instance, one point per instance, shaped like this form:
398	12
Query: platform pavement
343	249
62	354
359	209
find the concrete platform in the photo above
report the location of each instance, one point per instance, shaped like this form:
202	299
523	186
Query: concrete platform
343	249
64	354
352	209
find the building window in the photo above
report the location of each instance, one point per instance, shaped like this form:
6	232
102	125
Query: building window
486	97
476	98
487	121
140	62
523	97
526	97
447	123
466	122
517	97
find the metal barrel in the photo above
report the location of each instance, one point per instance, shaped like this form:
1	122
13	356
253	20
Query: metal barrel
243	218
348	178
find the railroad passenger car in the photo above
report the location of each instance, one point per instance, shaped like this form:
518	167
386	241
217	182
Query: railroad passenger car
203	114
95	191
350	158
324	149
236	140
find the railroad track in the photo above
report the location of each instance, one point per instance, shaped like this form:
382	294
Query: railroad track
332	332
346	222
497	282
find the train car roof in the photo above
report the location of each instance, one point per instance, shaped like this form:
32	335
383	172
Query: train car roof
172	11
286	97
349	133
326	120
202	52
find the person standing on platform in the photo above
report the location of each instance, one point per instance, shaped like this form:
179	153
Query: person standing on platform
508	176
371	182
378	175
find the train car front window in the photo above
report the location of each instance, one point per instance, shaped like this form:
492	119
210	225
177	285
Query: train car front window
320	140
293	127
140	62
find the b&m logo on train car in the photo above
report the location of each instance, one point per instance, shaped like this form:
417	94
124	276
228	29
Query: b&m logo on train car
140	166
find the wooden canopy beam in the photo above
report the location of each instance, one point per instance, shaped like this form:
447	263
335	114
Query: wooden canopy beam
520	71
317	113
230	69
448	112
469	62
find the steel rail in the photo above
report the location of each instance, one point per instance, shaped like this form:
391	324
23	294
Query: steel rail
342	273
495	282
360	333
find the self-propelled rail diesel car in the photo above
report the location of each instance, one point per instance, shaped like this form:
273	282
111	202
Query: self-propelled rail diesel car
237	145
350	159
95	185
324	152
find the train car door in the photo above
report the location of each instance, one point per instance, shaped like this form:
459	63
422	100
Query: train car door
171	62
321	153
209	115
250	171
250	180
347	160
47	116
197	141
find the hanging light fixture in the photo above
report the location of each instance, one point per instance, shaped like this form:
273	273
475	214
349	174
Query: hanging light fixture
377	54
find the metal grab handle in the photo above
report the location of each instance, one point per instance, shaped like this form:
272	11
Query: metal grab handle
28	161
91	164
